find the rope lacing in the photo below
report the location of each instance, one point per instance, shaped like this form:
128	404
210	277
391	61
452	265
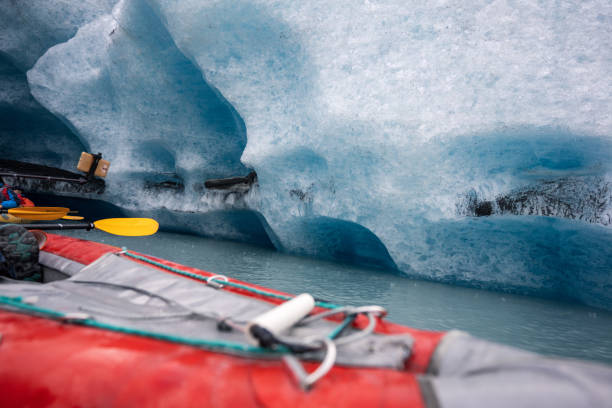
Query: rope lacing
217	279
85	320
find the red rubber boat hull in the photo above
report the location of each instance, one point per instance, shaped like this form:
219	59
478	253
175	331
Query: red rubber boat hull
48	363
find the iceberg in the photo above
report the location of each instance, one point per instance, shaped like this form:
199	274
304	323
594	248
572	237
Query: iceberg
467	144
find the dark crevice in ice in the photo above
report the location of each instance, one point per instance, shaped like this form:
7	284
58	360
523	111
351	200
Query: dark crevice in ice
586	199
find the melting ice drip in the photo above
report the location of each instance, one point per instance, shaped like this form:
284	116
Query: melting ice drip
367	124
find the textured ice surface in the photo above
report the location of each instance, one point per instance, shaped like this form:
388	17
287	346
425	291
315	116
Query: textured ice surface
583	198
129	93
29	28
546	256
28	131
367	123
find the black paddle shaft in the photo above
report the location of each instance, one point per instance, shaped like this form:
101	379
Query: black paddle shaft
85	225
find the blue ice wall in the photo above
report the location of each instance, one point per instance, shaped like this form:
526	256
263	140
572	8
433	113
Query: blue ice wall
375	128
29	28
27	130
544	256
128	92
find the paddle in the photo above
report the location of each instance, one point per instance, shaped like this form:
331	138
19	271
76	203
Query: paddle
130	227
38	213
72	217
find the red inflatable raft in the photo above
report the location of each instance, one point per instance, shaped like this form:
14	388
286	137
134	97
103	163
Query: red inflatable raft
113	328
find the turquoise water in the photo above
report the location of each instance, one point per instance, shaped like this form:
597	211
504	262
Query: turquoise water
544	326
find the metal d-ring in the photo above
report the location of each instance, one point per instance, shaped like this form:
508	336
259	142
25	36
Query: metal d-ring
304	379
210	281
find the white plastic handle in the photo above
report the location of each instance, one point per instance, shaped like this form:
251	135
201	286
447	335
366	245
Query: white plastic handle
283	316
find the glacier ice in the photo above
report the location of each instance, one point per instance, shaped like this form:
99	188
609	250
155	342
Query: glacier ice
27	130
583	198
368	124
27	29
129	93
31	27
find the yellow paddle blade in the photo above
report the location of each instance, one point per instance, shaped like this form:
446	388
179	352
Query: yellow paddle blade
131	227
72	217
39	213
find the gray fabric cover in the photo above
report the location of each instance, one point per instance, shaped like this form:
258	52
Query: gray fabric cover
119	291
469	372
67	266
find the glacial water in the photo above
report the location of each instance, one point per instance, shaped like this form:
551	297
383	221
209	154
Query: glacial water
540	325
